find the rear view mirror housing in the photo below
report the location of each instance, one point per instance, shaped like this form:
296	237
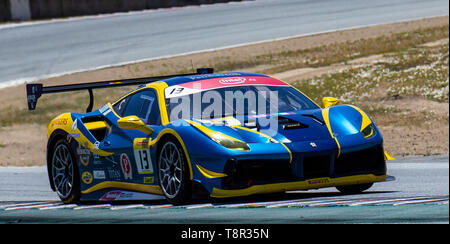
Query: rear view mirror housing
134	123
329	101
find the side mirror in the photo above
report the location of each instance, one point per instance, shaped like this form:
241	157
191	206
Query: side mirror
134	123
329	101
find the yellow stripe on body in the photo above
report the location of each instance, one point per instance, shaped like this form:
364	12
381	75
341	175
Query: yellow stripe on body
365	118
299	185
270	138
210	174
325	115
153	189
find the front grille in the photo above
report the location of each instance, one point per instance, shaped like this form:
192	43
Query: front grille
245	173
369	160
317	166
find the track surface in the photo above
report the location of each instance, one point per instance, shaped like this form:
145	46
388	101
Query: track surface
32	51
419	195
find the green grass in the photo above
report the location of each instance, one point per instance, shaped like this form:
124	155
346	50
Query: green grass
416	71
334	53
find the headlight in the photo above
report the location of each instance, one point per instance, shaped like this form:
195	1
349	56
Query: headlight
369	131
229	142
220	138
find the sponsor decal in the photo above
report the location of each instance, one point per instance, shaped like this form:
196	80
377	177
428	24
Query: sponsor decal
113	174
116	195
83	151
232	80
84	159
127	195
143	143
87	177
99	174
126	166
75	125
149	180
96	145
104	108
61	121
318	181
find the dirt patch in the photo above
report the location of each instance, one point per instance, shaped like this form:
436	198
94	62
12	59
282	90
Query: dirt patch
23	145
413	126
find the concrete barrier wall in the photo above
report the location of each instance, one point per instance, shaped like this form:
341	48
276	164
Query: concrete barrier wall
5	10
44	9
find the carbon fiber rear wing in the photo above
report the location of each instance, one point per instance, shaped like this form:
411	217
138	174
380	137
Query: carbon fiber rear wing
35	90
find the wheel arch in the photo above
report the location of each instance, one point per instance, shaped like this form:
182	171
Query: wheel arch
171	134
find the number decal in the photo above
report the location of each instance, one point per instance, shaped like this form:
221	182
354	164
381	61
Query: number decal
143	161
142	156
177	90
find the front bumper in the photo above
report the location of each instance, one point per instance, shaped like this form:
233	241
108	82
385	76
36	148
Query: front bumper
301	185
306	170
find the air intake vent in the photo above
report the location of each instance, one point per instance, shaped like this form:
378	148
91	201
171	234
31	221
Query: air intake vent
288	124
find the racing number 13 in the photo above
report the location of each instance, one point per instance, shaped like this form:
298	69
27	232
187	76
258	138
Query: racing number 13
143	161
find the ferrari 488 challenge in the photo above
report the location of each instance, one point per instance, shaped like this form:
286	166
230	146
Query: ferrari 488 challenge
219	135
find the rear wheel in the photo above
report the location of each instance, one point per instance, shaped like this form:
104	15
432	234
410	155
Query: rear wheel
65	173
354	189
174	173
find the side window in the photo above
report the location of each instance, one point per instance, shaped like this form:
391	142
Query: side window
120	106
143	104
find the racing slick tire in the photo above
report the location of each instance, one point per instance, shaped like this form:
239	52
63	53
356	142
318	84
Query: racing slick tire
64	172
354	189
173	172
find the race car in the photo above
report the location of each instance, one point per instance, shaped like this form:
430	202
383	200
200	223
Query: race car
208	134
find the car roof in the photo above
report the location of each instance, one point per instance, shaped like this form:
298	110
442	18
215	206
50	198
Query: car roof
185	79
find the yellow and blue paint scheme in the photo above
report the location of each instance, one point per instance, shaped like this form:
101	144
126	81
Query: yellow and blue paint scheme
110	154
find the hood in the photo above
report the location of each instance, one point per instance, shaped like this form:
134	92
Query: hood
305	125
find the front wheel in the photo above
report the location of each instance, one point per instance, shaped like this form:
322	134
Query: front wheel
174	173
65	172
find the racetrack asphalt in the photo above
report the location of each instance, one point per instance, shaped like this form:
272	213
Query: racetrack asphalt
419	194
33	51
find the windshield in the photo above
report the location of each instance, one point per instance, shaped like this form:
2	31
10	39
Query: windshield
237	100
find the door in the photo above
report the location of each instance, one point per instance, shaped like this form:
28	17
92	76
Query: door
133	160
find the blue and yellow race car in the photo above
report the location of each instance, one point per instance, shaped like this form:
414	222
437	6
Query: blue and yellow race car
219	135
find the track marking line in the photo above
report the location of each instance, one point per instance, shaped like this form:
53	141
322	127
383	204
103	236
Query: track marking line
196	206
59	207
303	202
20	204
160	206
332	203
419	201
32	206
128	206
384	201
92	206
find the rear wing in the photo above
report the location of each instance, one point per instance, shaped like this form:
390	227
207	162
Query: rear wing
35	90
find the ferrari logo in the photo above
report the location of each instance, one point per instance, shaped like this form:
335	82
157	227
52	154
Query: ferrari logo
313	144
